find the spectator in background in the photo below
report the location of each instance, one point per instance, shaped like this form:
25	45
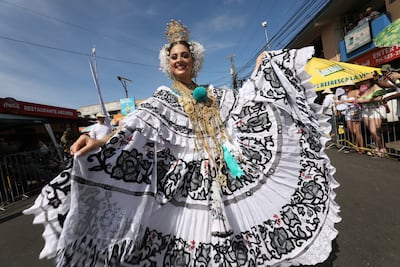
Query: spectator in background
43	147
371	14
100	129
362	19
327	103
395	78
353	114
350	27
339	107
363	88
373	112
328	108
66	141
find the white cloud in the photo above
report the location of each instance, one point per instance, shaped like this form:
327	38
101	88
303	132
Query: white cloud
220	23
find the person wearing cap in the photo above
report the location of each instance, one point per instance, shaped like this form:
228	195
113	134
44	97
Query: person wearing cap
352	114
327	103
373	112
100	129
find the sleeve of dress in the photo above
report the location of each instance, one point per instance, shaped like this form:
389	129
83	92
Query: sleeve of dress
281	79
279	136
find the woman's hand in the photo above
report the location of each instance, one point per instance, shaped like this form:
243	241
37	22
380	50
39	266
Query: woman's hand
85	144
259	60
393	76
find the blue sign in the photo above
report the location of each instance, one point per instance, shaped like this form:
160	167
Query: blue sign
127	105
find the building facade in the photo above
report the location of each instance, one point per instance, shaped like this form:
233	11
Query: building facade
332	30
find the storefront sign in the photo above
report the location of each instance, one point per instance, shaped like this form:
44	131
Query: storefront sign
127	105
358	37
379	56
10	105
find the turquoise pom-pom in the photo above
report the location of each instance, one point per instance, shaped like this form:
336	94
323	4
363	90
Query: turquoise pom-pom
200	94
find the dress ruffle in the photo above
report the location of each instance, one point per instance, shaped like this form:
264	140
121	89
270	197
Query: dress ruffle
148	198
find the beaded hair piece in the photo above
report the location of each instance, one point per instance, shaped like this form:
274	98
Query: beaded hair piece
176	32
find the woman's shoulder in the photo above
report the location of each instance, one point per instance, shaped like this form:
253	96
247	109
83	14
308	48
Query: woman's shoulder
376	87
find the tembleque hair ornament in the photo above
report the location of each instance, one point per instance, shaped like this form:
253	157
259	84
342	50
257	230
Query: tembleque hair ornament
176	31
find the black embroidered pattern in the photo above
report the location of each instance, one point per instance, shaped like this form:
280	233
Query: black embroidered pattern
186	179
130	166
292	227
58	186
56	191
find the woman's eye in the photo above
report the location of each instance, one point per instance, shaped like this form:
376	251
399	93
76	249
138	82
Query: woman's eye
183	55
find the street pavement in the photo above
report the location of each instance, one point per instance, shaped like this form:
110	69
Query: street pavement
369	233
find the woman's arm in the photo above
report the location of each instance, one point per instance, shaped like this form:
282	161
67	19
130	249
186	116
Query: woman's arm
85	143
390	97
259	61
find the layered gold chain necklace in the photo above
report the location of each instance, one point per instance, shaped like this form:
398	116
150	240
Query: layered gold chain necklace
202	110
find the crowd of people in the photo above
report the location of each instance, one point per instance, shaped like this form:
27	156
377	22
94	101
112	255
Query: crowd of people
364	103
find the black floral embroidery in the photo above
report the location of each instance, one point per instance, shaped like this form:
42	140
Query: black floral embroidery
58	186
280	241
296	223
186	179
132	167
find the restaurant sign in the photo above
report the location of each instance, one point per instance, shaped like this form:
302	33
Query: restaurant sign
378	57
12	106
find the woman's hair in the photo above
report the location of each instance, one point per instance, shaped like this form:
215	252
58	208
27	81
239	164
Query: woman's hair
196	50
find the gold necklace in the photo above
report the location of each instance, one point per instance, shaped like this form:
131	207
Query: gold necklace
207	125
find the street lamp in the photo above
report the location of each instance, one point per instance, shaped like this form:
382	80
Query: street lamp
264	25
123	81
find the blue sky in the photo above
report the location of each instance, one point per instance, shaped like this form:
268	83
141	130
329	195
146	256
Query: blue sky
46	44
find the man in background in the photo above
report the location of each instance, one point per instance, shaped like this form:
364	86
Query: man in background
100	129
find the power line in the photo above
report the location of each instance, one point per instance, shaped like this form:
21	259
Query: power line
34	12
74	52
298	20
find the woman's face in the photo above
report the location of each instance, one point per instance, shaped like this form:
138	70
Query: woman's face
181	63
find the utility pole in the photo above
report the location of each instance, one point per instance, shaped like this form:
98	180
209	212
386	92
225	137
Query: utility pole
233	73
